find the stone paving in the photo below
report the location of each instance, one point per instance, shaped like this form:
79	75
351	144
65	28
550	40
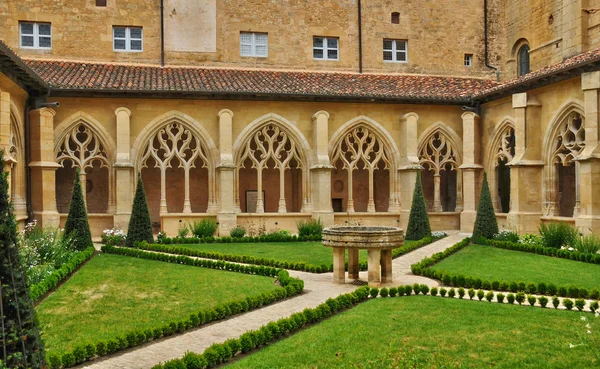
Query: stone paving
317	289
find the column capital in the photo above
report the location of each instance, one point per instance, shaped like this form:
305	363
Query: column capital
45	112
407	116
225	111
590	81
469	115
319	113
519	100
123	110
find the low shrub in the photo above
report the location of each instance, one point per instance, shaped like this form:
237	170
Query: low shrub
313	227
568	303
384	292
510	298
520	297
580	304
393	291
471	293
556	235
374	292
114	237
543	300
443	292
204	228
555	302
461	292
434	291
531	299
237	232
417	288
451	293
489	296
589	244
480	295
594	306
506	235
500	297
424	289
408	290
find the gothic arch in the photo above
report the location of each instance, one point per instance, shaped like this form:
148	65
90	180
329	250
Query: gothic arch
272	139
499	148
16	157
440	154
181	140
563	142
84	142
363	143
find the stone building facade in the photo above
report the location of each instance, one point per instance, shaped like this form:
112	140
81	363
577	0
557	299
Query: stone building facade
266	113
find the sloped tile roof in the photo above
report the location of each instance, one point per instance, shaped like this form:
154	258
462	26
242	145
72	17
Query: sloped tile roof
150	79
14	67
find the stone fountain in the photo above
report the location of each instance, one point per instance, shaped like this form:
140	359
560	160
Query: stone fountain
378	241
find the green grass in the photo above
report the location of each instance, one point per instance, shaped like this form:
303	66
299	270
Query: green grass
428	332
112	295
490	263
298	252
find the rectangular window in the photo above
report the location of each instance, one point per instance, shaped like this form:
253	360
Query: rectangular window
36	35
128	39
395	51
100	2
326	48
468	60
254	44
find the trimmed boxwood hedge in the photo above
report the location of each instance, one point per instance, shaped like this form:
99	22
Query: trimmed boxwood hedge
547	251
305	267
82	353
270	237
37	291
448	279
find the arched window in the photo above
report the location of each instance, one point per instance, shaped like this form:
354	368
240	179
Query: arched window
395	18
81	148
505	152
523	57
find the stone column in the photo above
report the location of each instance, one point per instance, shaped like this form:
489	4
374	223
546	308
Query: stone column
374	267
526	167
471	170
574	27
226	215
43	168
409	163
124	188
588	219
5	135
339	265
386	266
353	269
320	172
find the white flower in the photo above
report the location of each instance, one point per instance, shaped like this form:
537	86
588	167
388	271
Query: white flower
583	318
571	249
588	326
589	332
571	345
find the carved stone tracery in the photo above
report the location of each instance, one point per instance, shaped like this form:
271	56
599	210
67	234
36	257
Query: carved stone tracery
436	155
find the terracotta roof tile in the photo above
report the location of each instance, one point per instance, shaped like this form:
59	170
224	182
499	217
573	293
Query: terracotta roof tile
131	78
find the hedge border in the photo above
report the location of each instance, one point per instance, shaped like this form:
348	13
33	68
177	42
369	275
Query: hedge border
273	237
546	251
86	352
221	353
459	280
246	259
48	284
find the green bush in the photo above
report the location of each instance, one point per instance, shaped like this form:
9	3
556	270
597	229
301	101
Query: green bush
555	302
589	244
418	221
451	293
408	290
443	292
510	298
480	295
140	226
486	224
461	292
204	228
594	306
434	291
237	232
374	292
520	297
471	293
507	236
531	299
424	289
489	296
543	300
393	291
77	227
313	227
500	297
557	235
568	303
580	304
384	292
417	288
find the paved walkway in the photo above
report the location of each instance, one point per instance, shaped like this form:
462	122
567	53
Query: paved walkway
317	289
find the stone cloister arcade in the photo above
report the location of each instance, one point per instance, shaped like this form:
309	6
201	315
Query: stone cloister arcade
273	171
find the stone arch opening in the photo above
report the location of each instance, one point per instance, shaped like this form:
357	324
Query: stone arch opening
442	180
500	154
365	161
81	146
271	168
16	159
564	141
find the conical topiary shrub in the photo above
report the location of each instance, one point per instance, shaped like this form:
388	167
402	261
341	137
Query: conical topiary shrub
20	343
77	226
418	222
486	224
140	226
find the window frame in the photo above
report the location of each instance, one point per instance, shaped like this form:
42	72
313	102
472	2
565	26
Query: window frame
325	48
253	45
468	60
36	35
523	50
128	39
394	50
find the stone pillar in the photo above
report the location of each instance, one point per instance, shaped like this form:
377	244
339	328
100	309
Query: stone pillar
124	188
339	265
471	170
374	267
526	167
588	219
574	27
226	215
409	164
5	134
353	269
386	266
43	168
320	172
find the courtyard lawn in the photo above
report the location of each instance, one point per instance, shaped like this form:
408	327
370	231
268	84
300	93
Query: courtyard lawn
298	252
428	332
490	263
112	295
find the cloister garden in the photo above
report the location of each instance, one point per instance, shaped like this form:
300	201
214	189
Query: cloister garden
261	298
